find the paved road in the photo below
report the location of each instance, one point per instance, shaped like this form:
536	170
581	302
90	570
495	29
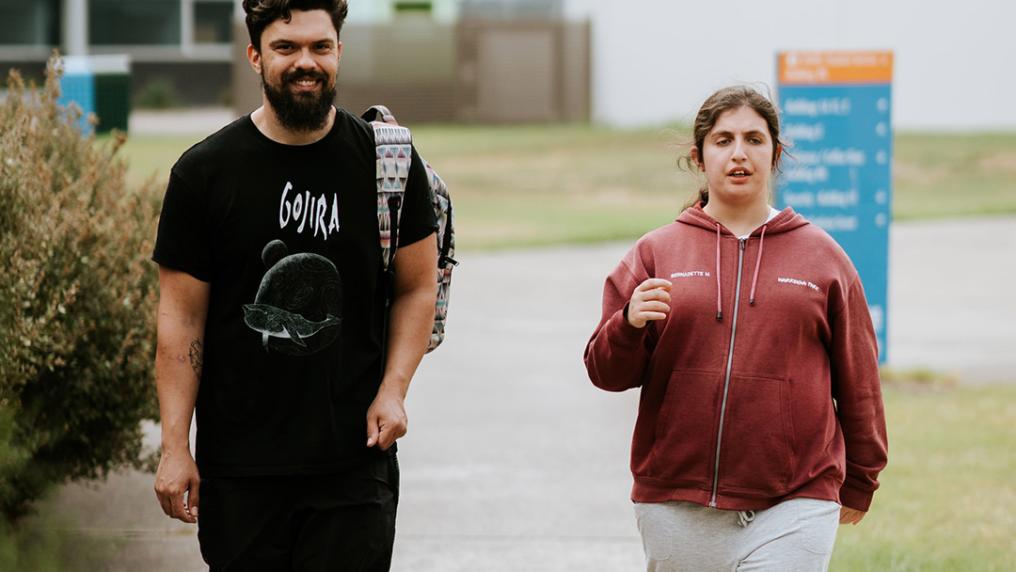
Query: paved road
189	121
952	295
514	462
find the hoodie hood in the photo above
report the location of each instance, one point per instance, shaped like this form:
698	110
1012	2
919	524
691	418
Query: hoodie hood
786	221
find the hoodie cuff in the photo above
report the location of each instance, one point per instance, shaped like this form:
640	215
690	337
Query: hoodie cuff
621	332
855	499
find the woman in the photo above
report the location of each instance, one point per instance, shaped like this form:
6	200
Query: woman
748	331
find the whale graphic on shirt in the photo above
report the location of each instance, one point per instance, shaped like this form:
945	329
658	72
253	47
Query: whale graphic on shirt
274	322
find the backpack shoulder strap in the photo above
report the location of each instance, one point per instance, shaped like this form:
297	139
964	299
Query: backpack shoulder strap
393	146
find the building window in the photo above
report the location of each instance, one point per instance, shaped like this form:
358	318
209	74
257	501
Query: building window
213	21
31	22
134	22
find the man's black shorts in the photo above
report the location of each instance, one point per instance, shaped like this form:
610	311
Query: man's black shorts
304	523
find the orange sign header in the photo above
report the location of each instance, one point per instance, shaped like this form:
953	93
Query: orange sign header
810	68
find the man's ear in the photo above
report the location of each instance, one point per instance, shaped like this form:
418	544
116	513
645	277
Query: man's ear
694	154
254	58
338	50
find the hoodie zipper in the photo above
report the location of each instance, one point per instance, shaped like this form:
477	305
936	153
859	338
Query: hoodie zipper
730	360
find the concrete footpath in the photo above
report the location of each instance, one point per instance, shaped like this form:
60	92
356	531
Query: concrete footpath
515	462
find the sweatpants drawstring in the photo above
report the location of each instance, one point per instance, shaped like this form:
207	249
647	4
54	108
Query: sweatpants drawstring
744	518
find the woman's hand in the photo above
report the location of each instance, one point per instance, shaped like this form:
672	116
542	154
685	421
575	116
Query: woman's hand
850	516
650	301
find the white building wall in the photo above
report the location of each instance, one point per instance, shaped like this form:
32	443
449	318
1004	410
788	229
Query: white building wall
656	60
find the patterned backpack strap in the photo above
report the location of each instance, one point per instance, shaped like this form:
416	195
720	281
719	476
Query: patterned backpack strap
446	253
393	146
393	159
379	113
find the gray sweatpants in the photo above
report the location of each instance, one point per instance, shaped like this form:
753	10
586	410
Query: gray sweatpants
795	536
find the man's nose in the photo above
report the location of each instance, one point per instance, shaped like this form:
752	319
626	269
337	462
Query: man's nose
305	61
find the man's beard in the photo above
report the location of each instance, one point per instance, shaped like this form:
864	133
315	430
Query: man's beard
303	111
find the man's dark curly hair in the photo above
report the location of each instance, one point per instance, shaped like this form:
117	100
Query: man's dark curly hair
261	13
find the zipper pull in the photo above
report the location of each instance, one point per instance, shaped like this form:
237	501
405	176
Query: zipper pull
741	242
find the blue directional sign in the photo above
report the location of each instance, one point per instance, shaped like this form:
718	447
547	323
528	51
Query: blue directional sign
836	109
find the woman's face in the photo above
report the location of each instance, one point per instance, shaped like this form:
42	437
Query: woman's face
737	158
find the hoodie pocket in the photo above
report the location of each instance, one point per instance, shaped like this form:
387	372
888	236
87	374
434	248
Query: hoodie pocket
757	454
686	428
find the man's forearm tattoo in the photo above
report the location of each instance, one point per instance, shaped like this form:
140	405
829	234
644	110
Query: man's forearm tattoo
196	356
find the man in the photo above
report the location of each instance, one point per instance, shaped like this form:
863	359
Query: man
271	318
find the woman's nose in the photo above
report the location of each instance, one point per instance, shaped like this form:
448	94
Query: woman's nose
739	152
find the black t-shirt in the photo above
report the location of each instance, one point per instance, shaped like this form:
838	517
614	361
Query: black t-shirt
287	237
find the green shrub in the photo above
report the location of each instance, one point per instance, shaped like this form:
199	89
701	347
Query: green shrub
160	93
77	299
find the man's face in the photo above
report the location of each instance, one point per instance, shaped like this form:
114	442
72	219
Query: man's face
299	60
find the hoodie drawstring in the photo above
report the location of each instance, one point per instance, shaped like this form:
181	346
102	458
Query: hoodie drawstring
754	278
758	262
719	301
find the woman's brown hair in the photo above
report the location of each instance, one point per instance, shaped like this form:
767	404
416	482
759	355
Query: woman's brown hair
727	99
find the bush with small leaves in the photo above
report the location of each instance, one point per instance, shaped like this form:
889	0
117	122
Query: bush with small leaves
77	299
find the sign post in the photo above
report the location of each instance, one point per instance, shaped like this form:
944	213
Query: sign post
836	109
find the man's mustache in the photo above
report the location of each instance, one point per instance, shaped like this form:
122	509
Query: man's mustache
299	75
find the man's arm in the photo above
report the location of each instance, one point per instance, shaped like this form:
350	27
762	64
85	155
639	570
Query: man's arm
183	307
411	323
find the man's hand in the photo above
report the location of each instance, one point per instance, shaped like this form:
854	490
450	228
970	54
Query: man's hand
850	516
649	301
386	417
183	308
412	318
178	474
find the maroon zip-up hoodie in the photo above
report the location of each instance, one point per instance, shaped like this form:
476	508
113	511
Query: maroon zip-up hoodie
762	383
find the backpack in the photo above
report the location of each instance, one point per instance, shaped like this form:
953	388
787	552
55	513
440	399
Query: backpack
393	158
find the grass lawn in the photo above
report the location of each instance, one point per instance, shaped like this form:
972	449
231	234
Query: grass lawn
533	185
948	497
943	175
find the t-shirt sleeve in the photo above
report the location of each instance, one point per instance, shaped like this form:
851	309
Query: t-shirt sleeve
417	220
182	240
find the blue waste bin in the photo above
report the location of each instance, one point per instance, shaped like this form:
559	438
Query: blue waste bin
99	85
